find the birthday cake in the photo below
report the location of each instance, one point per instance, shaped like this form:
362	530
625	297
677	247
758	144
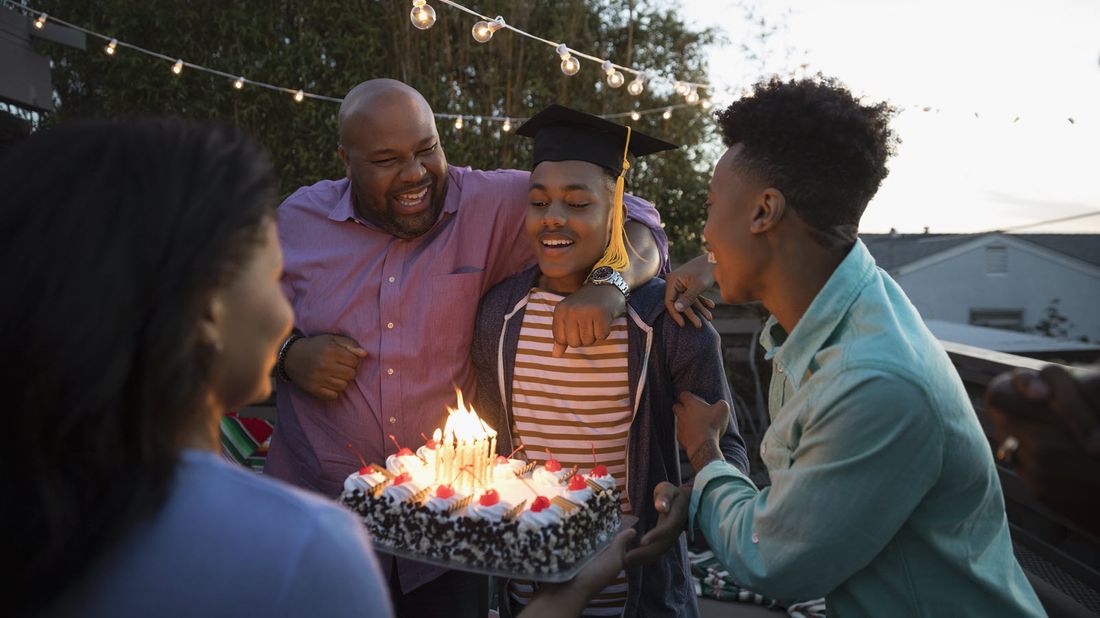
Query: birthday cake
455	500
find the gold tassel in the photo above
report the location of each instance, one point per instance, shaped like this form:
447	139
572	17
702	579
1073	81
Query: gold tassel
616	255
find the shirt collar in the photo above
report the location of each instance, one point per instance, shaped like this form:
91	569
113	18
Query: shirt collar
795	351
344	209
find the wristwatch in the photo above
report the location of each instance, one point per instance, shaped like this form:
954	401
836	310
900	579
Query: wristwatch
605	275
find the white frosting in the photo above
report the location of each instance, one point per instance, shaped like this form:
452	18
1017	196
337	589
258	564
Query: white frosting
546	477
580	496
404	491
492	513
363	482
507	471
404	463
436	503
428	454
605	482
532	520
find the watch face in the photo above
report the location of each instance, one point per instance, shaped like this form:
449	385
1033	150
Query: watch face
602	273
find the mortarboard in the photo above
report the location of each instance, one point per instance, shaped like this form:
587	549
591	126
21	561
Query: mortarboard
564	134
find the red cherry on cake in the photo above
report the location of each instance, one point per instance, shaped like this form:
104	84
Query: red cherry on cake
598	471
444	492
577	483
489	498
405	452
501	460
540	503
365	470
553	465
402	478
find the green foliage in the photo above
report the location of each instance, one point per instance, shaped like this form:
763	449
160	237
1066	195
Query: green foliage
328	46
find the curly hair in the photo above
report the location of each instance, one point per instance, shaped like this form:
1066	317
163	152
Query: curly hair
817	144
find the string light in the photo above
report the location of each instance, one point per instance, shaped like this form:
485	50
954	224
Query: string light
110	49
636	86
483	30
692	96
299	96
458	123
707	103
40	22
635	116
238	83
614	76
507	126
177	68
422	15
569	64
667	114
681	88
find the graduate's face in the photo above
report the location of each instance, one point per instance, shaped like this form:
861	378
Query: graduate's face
391	153
568	220
731	201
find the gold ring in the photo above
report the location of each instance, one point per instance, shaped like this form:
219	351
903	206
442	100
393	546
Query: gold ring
1006	452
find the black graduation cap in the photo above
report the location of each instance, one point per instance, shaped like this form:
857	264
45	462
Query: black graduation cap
564	134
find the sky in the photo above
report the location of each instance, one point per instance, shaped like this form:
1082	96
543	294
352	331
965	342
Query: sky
1023	67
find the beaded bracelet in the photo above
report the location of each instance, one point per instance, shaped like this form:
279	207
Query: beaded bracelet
280	362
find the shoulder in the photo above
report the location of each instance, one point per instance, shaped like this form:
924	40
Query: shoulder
496	189
502	297
318	198
223	489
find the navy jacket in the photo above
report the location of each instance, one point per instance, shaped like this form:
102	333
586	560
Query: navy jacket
664	359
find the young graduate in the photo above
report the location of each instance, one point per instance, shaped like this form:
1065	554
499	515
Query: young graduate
609	403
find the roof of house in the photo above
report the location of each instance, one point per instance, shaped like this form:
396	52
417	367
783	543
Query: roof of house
892	251
1012	342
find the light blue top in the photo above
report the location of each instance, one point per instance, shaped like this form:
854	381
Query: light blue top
231	543
884	496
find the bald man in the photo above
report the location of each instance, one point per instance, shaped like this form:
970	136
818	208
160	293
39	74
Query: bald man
385	269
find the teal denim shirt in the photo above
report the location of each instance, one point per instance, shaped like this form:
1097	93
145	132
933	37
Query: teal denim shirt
884	496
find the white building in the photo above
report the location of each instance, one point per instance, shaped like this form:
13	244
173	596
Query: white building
1005	281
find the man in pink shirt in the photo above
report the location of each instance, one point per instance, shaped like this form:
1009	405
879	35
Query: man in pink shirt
385	270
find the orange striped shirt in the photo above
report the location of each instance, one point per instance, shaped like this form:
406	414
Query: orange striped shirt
578	407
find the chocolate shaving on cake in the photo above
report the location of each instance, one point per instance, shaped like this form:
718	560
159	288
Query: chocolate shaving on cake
514	513
529	467
377	489
458	506
594	486
383	471
565	505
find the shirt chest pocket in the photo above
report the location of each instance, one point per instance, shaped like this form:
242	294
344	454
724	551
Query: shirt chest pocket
451	313
775	454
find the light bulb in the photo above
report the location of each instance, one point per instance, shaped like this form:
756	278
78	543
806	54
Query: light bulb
483	30
422	15
681	88
692	96
707	103
299	96
458	123
40	22
667	114
238	83
110	49
507	125
635	116
569	64
615	79
178	67
636	86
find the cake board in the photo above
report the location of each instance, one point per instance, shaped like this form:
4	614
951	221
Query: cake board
628	521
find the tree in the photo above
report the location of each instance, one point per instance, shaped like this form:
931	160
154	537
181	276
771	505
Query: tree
1053	323
328	46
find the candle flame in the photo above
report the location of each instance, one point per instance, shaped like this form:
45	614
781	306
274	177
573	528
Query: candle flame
463	423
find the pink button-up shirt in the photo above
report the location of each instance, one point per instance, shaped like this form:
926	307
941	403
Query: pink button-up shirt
410	304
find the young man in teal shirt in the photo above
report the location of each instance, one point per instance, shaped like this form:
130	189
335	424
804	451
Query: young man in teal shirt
884	496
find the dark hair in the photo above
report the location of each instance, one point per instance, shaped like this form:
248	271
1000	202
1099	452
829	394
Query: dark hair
814	142
115	236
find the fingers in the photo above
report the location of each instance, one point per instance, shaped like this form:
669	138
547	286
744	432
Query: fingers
601	330
559	350
694	319
672	298
350	345
703	307
663	495
559	329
